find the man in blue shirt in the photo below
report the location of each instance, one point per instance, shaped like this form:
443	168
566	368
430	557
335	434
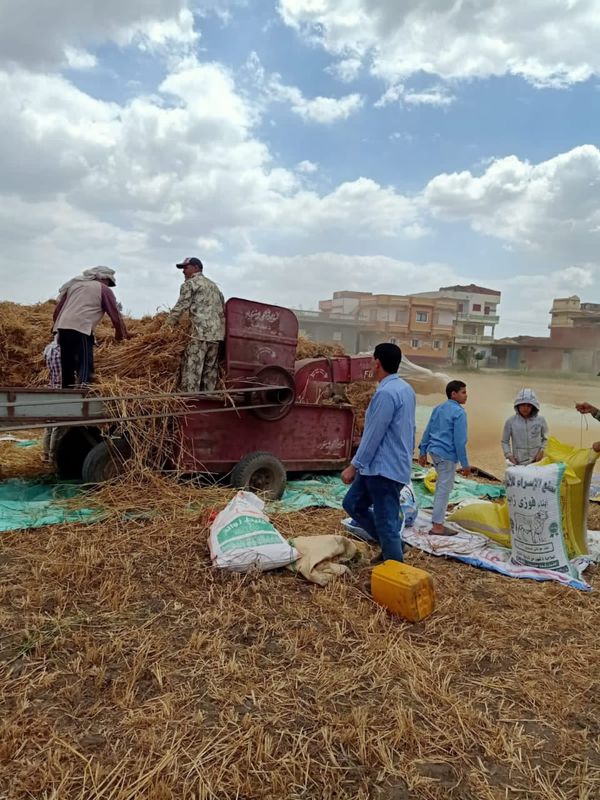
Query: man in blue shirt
382	463
445	439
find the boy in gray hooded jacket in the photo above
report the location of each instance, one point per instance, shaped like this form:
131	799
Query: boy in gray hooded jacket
525	434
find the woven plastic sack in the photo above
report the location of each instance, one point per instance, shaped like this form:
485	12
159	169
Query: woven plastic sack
575	490
408	514
490	519
534	507
408	505
242	538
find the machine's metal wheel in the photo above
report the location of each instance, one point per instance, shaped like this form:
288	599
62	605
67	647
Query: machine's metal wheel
282	398
262	473
105	461
71	448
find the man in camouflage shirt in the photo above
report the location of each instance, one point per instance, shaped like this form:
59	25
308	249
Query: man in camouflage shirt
203	301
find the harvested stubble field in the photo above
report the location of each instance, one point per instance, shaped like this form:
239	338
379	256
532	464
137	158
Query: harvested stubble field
133	669
130	668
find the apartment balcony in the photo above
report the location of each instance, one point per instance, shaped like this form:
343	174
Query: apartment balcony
472	338
384	325
324	316
487	319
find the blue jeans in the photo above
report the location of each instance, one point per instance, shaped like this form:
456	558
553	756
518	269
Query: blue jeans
446	471
382	522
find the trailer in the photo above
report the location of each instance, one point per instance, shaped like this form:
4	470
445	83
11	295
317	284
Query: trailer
272	415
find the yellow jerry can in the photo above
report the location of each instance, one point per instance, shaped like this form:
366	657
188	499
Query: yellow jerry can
404	590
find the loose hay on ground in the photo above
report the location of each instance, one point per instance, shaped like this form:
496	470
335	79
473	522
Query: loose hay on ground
132	669
23	462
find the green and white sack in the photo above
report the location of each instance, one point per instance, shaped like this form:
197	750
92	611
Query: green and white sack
242	538
534	507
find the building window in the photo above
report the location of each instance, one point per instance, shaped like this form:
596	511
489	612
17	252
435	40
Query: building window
487	310
414	343
449	345
437	345
393	340
476	306
422	316
461	308
337	336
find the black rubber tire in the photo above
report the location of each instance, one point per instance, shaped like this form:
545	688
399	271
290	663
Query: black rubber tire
105	461
262	473
71	449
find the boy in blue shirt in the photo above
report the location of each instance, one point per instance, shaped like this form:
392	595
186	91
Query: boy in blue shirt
445	440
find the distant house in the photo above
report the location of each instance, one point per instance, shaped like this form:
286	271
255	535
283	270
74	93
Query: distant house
573	344
476	318
422	326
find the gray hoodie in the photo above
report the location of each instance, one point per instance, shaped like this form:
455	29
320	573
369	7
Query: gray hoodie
526	435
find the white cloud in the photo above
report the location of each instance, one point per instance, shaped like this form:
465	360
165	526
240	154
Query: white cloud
346	70
547	43
307	167
181	170
37	34
354	209
174	32
431	96
79	59
527	299
323	110
303	280
550	208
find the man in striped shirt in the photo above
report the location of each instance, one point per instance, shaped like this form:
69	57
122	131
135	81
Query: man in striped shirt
52	359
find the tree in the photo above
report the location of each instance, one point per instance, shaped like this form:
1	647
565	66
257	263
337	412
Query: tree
464	355
479	357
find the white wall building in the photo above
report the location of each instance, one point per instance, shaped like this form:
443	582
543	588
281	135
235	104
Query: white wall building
476	316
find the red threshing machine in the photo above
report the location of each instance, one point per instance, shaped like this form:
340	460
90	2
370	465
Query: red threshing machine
275	415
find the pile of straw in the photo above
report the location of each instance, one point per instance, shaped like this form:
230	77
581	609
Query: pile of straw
24	333
359	395
133	669
308	349
152	356
23	462
148	418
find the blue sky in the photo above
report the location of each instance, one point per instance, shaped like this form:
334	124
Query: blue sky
300	147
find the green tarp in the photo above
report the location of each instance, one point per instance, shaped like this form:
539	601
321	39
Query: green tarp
328	492
31	504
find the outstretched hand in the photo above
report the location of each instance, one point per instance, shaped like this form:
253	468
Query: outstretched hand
586	408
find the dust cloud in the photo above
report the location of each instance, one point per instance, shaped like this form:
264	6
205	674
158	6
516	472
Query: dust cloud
490	402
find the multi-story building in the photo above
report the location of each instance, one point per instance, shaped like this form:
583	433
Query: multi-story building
570	312
476	318
573	344
421	326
